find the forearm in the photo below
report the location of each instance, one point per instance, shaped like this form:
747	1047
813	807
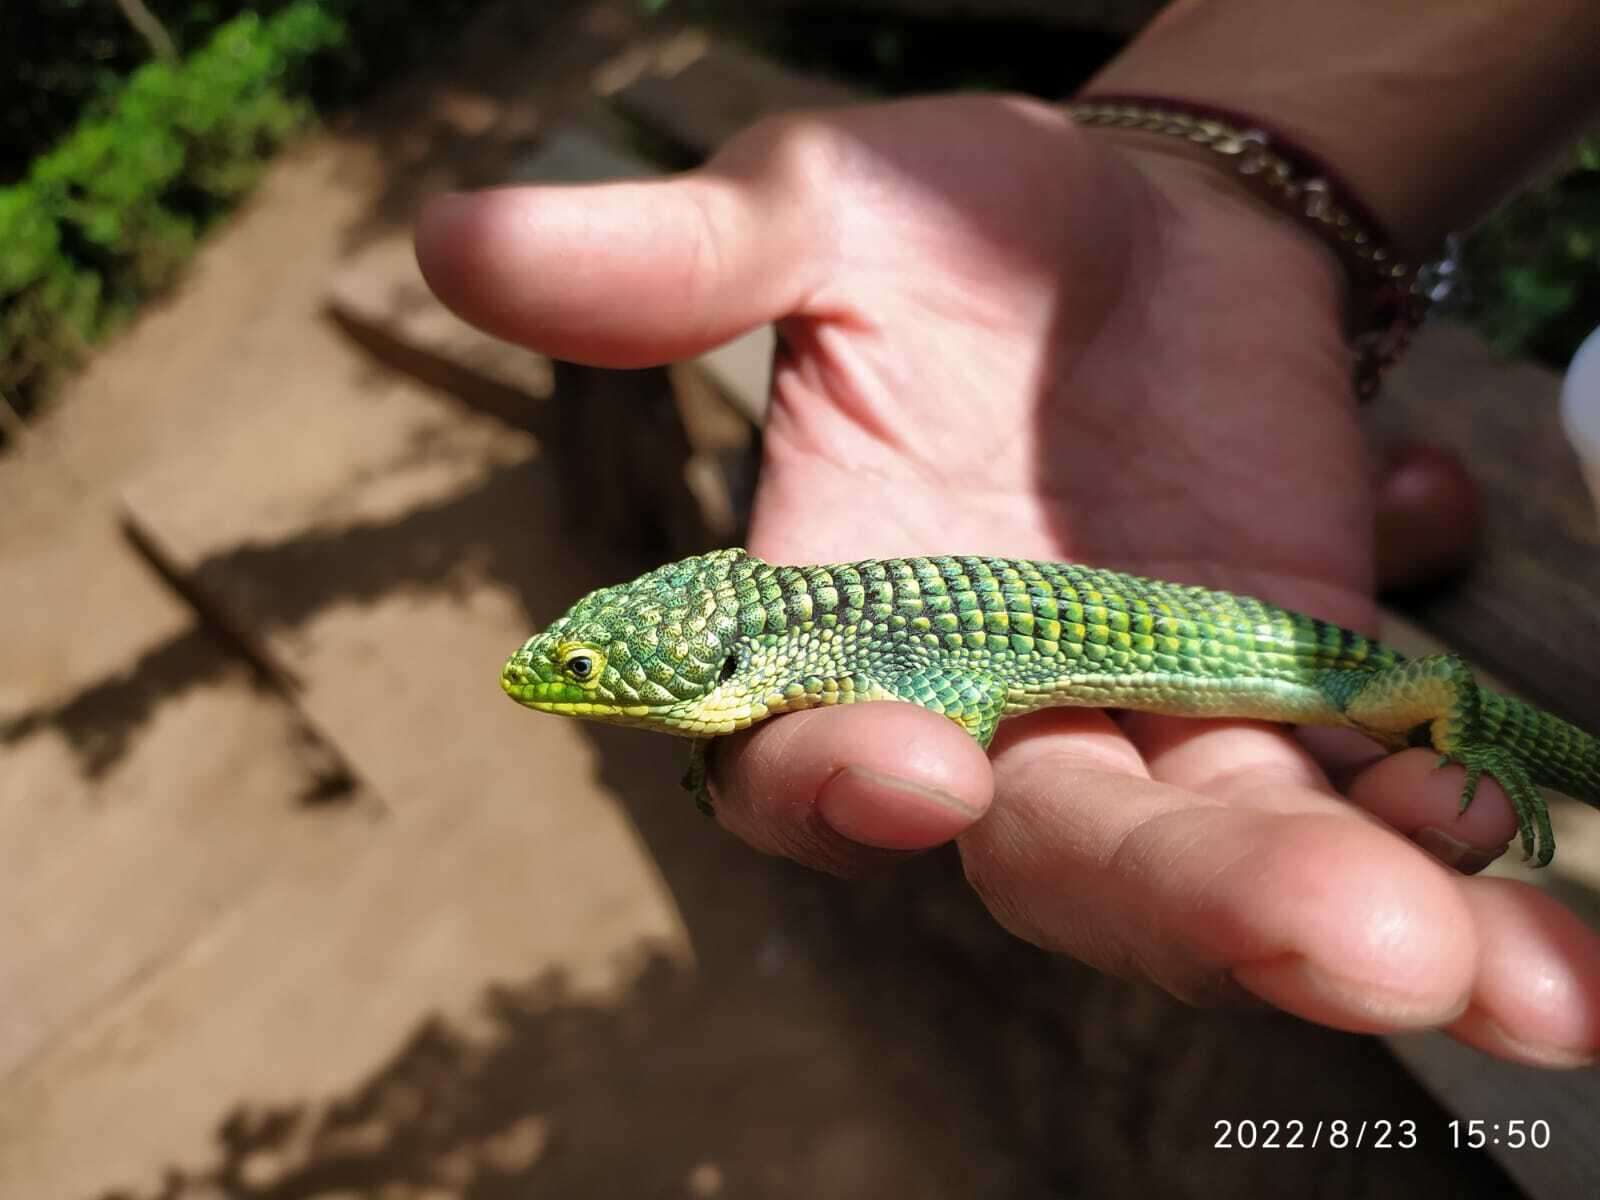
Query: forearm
1432	110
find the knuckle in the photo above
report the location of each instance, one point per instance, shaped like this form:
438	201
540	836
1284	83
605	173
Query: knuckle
794	152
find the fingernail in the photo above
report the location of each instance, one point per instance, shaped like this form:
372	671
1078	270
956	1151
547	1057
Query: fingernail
905	787
881	810
1453	852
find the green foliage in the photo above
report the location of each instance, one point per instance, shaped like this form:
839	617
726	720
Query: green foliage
62	61
58	59
66	61
110	170
49	307
1533	269
109	215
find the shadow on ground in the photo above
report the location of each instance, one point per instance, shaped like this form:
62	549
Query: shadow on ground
99	720
1016	1077
668	1094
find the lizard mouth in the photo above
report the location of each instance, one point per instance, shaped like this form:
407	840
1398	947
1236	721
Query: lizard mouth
527	686
531	689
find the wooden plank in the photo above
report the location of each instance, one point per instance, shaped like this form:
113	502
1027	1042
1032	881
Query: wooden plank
140	803
698	93
381	299
385	548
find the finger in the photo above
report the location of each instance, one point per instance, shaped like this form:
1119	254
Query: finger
834	788
1429	517
1536	998
630	274
1341	753
1243	763
1246	763
1300	902
1422	800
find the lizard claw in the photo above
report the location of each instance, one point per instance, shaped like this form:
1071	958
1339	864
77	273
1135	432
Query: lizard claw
1533	816
696	778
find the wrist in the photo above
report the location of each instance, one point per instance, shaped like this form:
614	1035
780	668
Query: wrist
1381	303
1169	160
1432	111
1253	252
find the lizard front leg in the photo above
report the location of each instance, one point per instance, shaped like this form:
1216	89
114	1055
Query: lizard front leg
695	780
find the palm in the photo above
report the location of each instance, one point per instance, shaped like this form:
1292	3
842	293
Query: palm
1081	338
1009	302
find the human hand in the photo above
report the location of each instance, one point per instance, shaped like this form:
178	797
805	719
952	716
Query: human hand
1003	335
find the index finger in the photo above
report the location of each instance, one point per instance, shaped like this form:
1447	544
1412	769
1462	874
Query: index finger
1308	904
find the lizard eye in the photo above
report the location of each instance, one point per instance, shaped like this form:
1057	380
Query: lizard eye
582	664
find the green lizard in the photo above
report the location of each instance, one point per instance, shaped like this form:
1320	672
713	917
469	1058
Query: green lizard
715	643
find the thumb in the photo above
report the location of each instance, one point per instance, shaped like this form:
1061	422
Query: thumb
620	274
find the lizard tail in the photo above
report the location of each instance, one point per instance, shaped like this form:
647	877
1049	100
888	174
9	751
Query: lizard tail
1558	755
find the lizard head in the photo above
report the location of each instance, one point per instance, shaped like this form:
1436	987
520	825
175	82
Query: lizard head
641	653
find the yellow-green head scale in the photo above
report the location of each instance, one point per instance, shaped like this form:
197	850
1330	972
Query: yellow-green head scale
649	652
